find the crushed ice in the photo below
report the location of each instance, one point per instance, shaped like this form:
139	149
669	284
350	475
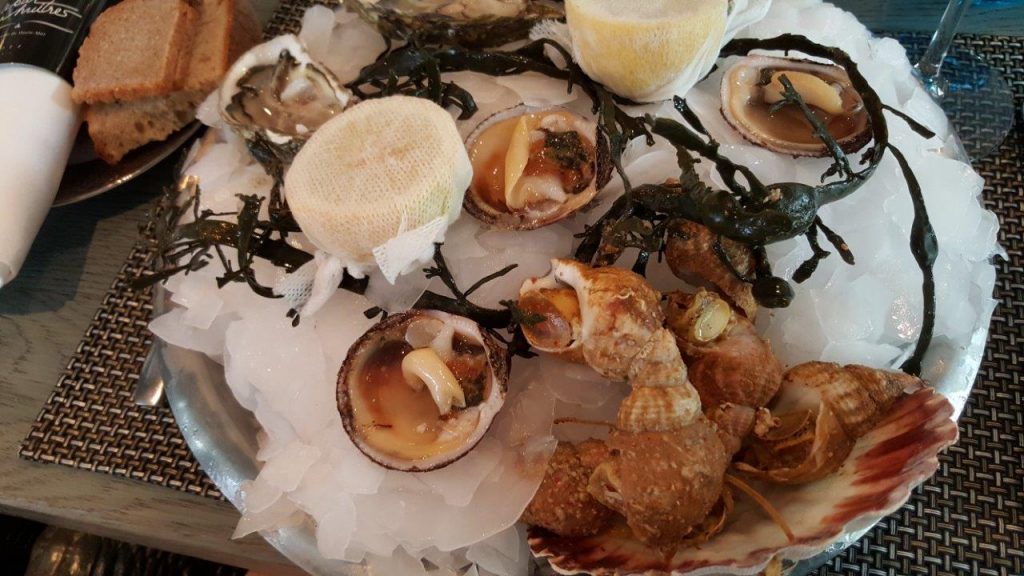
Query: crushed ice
466	513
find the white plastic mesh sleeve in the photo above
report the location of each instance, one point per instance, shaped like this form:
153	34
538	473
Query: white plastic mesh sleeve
379	183
310	287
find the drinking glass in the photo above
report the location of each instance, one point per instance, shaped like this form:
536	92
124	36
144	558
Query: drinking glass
974	96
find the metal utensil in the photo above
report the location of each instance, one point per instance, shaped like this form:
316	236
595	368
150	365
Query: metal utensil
149	390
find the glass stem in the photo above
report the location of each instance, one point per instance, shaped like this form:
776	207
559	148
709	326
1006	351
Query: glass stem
930	67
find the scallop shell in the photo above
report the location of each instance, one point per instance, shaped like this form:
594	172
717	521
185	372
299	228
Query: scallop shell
886	464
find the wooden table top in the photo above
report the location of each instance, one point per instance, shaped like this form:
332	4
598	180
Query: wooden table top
44	312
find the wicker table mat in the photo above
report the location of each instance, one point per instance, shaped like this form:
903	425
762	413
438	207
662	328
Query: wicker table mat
965	520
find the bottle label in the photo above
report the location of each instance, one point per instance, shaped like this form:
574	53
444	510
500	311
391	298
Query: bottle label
45	33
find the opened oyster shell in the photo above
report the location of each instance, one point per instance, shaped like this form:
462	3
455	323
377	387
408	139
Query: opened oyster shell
276	96
752	91
420	389
532	167
476	23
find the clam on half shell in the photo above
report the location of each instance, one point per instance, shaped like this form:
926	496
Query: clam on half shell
420	389
532	167
751	87
276	93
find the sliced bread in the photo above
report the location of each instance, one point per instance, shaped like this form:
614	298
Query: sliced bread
117	128
134	50
224	29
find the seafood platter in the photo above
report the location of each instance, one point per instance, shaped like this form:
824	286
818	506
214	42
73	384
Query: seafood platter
595	287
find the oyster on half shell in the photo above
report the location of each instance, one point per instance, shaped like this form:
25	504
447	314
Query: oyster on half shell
751	88
276	96
420	389
532	167
476	23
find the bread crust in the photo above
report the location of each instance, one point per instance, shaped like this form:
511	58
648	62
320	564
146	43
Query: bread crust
216	34
117	65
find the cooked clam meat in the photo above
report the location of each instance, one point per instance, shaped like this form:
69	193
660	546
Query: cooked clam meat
753	102
532	168
420	389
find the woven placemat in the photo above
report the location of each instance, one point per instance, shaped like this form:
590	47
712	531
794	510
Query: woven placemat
965	520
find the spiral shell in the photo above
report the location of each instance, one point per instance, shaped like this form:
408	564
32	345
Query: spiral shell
690	254
859	396
619	312
562	503
662	496
658	409
738	367
822	410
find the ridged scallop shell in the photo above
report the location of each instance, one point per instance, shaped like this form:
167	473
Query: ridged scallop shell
658	409
885	465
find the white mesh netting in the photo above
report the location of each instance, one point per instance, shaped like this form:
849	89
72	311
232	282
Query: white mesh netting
379	183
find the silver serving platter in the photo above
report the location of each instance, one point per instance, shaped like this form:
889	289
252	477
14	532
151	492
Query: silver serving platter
222	436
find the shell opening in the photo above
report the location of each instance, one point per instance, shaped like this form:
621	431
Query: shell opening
705	319
559	310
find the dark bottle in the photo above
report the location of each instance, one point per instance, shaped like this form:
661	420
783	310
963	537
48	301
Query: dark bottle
45	33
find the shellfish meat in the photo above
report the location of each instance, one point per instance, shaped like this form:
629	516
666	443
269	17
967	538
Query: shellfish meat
534	167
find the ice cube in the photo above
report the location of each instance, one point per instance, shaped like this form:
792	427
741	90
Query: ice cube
398	563
280	514
334	526
285	469
317	26
576	383
485	89
258	495
201	298
457	482
503	554
354	44
171	328
538	90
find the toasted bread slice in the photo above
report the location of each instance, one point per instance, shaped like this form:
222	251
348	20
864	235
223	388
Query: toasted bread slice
117	128
134	50
225	29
